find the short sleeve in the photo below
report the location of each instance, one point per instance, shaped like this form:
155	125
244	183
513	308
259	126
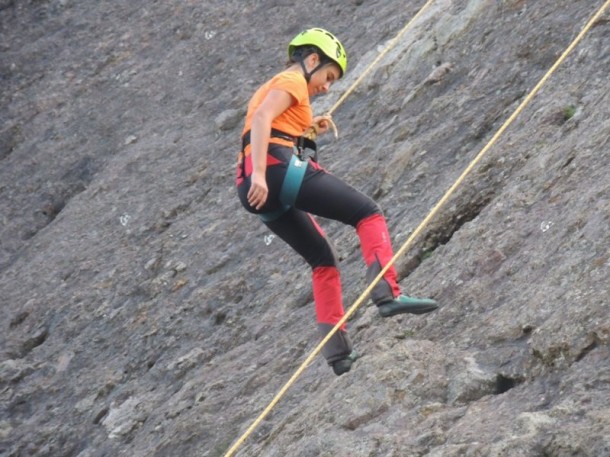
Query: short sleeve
292	83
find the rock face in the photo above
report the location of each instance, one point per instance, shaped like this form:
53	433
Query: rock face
144	313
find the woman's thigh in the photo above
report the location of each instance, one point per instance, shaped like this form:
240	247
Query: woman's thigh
325	195
305	236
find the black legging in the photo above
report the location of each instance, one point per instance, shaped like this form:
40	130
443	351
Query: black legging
321	194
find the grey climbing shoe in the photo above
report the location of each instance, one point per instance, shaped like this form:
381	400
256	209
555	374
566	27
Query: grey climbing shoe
344	365
404	304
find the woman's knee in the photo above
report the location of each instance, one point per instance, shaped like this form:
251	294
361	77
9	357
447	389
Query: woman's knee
368	209
322	255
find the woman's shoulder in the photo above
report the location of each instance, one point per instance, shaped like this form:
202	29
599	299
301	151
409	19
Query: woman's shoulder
291	77
292	82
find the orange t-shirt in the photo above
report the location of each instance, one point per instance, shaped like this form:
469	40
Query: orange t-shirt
296	119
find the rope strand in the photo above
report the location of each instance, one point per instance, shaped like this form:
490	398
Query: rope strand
381	55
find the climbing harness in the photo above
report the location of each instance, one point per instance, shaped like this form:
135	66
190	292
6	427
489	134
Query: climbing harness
294	174
304	150
409	242
301	143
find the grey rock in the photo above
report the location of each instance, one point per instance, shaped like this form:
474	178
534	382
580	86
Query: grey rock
123	418
12	371
470	382
229	119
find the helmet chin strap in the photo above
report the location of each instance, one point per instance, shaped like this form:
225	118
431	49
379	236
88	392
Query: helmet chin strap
308	74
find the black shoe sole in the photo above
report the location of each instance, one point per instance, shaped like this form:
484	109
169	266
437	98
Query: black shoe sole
389	310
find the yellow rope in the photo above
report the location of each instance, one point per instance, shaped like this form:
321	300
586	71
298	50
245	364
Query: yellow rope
407	244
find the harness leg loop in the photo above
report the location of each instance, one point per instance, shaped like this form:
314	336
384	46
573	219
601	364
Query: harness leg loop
290	188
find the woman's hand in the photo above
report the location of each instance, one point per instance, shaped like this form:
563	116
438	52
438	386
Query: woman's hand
257	195
321	124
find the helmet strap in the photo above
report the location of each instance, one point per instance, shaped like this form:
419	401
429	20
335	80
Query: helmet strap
309	74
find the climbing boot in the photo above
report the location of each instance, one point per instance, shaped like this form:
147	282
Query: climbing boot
404	304
342	366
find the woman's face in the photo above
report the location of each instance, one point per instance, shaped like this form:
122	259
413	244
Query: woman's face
323	78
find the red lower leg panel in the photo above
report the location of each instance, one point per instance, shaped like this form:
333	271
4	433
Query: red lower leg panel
327	295
377	246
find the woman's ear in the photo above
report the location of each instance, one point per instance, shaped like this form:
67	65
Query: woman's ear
313	60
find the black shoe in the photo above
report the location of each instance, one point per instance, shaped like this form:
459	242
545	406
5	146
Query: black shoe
403	304
342	366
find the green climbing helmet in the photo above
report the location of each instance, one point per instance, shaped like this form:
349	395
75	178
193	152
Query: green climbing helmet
325	41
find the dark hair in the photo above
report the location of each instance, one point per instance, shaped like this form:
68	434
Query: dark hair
302	52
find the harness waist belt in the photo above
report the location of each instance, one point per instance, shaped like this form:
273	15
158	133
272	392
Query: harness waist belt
299	141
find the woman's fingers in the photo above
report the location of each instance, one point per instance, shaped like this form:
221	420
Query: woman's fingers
257	196
324	123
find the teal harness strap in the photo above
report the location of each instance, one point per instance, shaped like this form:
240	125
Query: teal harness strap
292	180
290	188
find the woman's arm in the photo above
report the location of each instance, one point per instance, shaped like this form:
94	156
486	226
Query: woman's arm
274	104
